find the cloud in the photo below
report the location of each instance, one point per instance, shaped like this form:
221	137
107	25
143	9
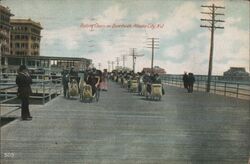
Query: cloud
232	21
148	17
182	20
232	43
113	14
231	48
174	52
69	37
215	2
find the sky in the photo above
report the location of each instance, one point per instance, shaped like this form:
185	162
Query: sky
103	30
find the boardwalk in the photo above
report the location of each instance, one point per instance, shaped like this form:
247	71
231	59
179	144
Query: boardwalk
123	128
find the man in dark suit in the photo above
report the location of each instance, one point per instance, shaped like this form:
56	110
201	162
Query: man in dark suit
23	81
191	81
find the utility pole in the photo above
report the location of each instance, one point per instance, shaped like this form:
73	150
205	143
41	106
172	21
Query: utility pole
109	66
99	66
134	57
153	43
112	63
124	58
212	26
117	61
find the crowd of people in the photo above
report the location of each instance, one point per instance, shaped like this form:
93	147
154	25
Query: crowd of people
97	80
92	76
141	77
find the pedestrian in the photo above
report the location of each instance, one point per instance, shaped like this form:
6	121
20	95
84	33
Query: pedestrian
185	80
73	74
65	82
191	81
104	81
23	81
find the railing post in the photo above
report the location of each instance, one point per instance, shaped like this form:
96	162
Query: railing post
6	97
215	87
198	85
197	81
225	89
237	92
50	86
43	92
49	94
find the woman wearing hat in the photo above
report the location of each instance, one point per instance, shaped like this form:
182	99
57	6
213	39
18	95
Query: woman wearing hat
23	81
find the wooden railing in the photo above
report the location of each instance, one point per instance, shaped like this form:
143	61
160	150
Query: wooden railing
47	85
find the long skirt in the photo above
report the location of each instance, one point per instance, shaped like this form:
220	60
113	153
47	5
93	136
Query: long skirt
104	85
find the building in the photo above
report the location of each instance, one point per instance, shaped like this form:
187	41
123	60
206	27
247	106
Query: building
156	69
25	37
11	63
20	45
236	74
5	28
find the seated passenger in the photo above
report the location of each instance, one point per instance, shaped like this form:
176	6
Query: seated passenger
94	79
73	74
157	80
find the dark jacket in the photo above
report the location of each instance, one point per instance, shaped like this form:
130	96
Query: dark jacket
185	78
191	79
23	81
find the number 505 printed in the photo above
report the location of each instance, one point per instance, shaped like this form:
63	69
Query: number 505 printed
8	155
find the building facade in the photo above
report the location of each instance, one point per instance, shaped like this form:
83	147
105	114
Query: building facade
5	28
235	74
20	45
25	37
11	63
156	69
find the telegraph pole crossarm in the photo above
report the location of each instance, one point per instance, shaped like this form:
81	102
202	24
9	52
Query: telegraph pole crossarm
134	57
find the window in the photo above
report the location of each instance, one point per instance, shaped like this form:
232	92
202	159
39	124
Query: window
17	37
17	45
23	45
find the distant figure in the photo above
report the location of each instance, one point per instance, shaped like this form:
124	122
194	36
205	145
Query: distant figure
73	74
23	81
185	80
191	81
64	82
104	81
